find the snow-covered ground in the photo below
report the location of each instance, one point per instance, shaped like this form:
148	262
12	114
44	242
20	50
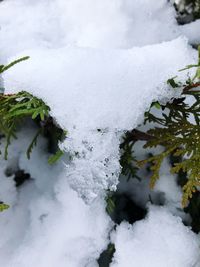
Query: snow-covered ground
98	64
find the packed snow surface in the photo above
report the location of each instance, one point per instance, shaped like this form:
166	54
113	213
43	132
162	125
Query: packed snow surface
98	64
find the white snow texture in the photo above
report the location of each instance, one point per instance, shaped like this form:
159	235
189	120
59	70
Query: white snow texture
98	64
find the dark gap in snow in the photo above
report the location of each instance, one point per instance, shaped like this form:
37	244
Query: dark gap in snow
20	176
106	256
126	209
49	130
193	209
52	132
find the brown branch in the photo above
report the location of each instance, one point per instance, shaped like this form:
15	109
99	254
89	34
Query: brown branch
136	135
189	87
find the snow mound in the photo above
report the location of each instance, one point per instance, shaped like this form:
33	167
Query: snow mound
159	240
47	223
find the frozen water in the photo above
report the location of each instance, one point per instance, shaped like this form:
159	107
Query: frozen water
98	64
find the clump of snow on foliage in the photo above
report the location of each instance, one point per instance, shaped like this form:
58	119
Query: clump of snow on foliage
159	240
98	89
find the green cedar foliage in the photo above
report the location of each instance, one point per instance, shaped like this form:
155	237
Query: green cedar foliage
178	131
13	109
54	158
3	206
3	68
128	160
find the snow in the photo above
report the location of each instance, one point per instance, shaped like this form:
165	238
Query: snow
92	85
159	240
191	30
166	191
92	91
47	224
167	184
98	64
80	23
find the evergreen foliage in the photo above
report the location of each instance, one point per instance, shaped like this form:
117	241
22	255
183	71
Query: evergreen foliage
128	160
177	129
3	206
110	203
3	68
13	109
54	158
